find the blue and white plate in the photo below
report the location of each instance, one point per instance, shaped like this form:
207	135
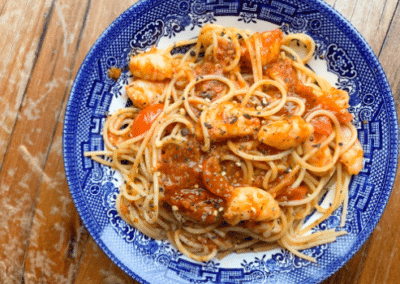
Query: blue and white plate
342	56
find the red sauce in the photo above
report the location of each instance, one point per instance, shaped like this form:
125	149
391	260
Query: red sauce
209	88
182	182
284	70
225	53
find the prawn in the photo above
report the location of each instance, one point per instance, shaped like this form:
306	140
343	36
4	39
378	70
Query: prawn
336	101
227	120
285	134
322	157
353	157
144	93
270	46
242	203
154	65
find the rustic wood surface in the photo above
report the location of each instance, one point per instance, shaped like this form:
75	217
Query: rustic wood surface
43	43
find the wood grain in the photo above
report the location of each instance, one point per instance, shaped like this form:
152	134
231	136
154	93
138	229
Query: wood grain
370	18
33	131
42	238
56	249
19	56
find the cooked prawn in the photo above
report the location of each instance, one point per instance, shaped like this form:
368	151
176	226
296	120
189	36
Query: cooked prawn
337	101
251	203
353	157
228	120
270	46
285	134
322	157
242	203
154	65
144	92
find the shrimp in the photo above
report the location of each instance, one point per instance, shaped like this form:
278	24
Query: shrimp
241	203
353	157
154	65
144	93
336	101
283	71
251	203
227	120
285	134
322	157
270	46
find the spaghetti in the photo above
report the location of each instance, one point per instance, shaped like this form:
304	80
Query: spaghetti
230	146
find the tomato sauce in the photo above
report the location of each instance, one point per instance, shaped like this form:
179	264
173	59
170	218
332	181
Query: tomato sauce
182	183
209	89
284	70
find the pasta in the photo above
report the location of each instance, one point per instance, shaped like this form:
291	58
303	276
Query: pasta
230	146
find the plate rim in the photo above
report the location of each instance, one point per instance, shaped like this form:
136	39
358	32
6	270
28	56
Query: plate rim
341	23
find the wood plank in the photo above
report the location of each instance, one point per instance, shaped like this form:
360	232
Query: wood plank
330	2
370	18
351	271
27	153
382	264
96	267
389	58
58	237
21	41
53	240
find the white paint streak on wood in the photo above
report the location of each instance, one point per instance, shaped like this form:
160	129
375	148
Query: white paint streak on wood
56	147
23	182
33	162
35	231
57	227
11	172
68	38
4	187
10	24
390	259
64	201
54	210
7	117
12	251
24	73
34	109
110	277
40	260
11	210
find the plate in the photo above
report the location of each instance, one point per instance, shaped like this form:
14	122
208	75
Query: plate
342	55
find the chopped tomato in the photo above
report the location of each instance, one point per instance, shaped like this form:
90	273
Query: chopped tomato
297	193
322	124
145	119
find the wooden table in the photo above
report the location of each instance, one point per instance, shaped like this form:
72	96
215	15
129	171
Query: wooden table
42	239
